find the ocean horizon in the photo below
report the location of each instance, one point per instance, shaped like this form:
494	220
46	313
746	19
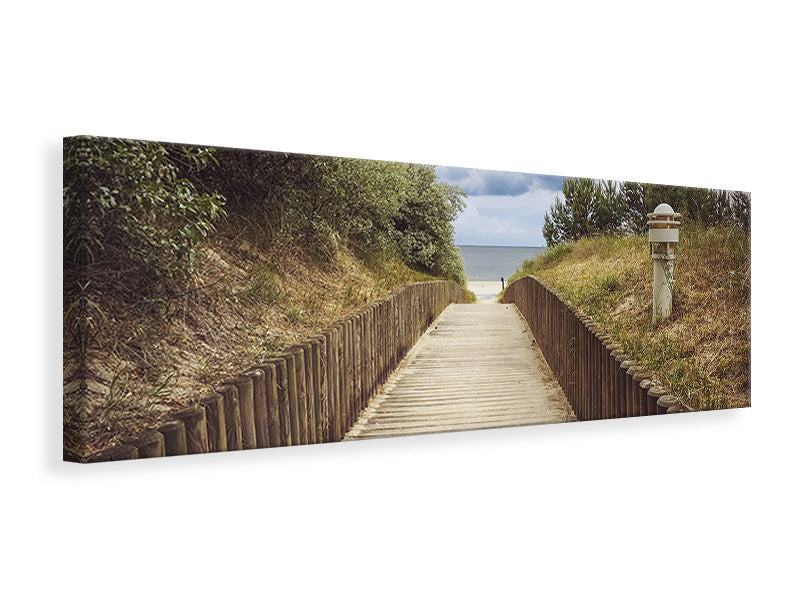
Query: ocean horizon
490	263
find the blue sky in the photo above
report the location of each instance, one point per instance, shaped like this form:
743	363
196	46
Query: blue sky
503	208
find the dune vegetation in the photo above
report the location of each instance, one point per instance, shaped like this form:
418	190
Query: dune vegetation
186	265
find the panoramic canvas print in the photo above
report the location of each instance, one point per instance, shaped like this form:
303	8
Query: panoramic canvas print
220	299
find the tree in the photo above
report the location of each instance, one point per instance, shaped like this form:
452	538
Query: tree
635	207
740	209
609	208
588	207
702	206
423	225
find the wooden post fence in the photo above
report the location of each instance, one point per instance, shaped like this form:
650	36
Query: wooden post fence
598	379
311	393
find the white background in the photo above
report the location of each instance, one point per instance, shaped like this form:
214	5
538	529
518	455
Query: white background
689	93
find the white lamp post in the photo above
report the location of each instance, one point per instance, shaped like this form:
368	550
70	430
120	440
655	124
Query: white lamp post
663	232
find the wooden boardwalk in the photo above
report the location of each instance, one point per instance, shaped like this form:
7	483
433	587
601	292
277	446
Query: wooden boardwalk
476	367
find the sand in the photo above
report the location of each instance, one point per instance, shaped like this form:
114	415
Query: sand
486	291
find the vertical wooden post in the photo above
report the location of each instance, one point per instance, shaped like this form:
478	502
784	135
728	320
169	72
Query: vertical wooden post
644	388
244	389
194	422
414	312
215	423
578	369
379	343
625	366
291	391
233	417
402	303
311	400
611	348
319	357
607	401
654	393
260	410
597	349
394	331
365	391
369	348
273	402
640	377
342	362
150	444
589	371
348	375
385	345
584	379
285	372
617	357
174	434
357	370
380	339
575	359
630	389
332	372
302	399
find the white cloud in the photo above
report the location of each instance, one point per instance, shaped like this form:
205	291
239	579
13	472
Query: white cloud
505	220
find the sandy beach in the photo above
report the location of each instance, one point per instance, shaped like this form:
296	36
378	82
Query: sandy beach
486	291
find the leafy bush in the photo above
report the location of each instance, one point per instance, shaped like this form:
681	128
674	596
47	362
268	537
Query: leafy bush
378	209
126	199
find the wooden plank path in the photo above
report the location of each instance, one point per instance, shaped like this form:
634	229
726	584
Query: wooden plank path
476	367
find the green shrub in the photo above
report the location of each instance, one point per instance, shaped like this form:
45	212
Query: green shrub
375	208
126	200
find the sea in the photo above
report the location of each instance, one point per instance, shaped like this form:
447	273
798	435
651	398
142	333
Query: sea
490	263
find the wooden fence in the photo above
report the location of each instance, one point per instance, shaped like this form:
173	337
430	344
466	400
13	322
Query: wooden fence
599	380
311	393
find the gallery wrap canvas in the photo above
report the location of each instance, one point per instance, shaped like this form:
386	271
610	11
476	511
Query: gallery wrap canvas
220	299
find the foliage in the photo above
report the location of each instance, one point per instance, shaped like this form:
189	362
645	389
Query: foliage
378	209
128	199
143	206
423	228
635	206
591	207
587	208
740	209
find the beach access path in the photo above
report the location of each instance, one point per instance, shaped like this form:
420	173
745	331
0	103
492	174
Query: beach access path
486	291
476	367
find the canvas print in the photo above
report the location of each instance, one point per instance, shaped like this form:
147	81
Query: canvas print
220	299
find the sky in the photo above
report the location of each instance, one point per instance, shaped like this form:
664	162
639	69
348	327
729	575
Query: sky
503	208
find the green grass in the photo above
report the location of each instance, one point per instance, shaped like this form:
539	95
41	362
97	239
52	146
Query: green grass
550	256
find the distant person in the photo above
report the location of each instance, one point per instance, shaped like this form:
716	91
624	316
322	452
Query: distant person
502	283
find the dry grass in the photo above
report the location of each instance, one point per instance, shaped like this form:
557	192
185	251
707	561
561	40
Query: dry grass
152	356
702	351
